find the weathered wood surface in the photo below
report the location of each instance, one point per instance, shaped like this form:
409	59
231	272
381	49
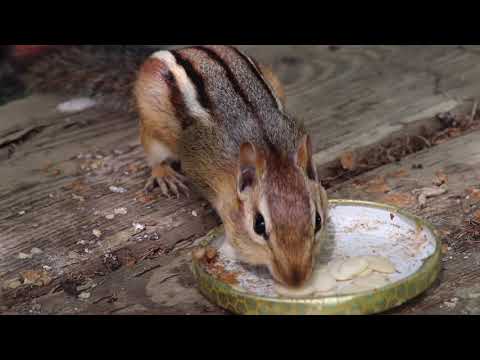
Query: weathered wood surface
350	99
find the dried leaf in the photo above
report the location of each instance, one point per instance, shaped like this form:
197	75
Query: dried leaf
348	161
444	249
399	173
399	199
30	277
431	192
476	216
378	188
474	193
440	178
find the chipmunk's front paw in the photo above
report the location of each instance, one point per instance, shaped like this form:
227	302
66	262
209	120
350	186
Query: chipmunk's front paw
170	182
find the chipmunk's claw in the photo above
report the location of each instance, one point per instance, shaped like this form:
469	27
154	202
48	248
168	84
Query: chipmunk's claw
170	182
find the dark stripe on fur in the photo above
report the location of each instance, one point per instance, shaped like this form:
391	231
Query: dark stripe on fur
255	69
238	89
196	78
230	75
176	98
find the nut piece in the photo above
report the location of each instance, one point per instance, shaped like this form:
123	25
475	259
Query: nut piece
373	281
323	281
199	253
365	273
380	264
349	269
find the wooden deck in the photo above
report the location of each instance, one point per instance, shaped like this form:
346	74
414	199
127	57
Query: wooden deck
377	104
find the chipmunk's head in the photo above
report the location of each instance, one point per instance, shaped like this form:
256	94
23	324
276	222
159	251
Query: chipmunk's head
283	211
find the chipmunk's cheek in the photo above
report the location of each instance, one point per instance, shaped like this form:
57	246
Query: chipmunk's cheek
276	276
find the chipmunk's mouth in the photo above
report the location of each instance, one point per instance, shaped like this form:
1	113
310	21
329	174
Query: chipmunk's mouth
294	277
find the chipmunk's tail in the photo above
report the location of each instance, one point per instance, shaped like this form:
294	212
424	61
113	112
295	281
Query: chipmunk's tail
105	73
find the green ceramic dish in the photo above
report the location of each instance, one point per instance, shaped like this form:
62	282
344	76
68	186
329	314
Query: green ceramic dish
363	303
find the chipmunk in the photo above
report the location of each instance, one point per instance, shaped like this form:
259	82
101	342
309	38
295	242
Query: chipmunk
212	119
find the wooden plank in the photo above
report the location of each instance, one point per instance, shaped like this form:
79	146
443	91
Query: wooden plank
52	199
459	161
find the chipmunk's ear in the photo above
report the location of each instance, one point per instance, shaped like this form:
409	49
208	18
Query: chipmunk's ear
304	158
251	167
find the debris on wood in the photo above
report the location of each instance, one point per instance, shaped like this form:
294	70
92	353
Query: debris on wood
427	193
35	278
452	303
97	233
23	256
139	227
476	217
84	296
440	178
117	190
33	252
377	185
78	198
474	193
445	249
111	262
21	213
194	213
348	161
398	174
76	105
110	216
401	200
120	211
12	284
36	251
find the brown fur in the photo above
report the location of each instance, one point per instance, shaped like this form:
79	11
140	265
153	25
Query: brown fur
274	82
158	121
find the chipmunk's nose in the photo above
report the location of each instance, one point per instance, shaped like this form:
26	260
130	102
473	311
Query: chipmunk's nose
297	276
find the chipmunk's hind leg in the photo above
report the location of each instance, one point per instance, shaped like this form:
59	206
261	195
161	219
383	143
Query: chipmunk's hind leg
160	130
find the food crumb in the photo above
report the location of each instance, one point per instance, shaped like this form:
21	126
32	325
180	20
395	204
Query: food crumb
97	233
84	296
139	227
36	251
23	256
117	190
120	211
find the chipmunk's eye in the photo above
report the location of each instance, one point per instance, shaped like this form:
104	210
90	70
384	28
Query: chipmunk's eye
259	226
318	222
